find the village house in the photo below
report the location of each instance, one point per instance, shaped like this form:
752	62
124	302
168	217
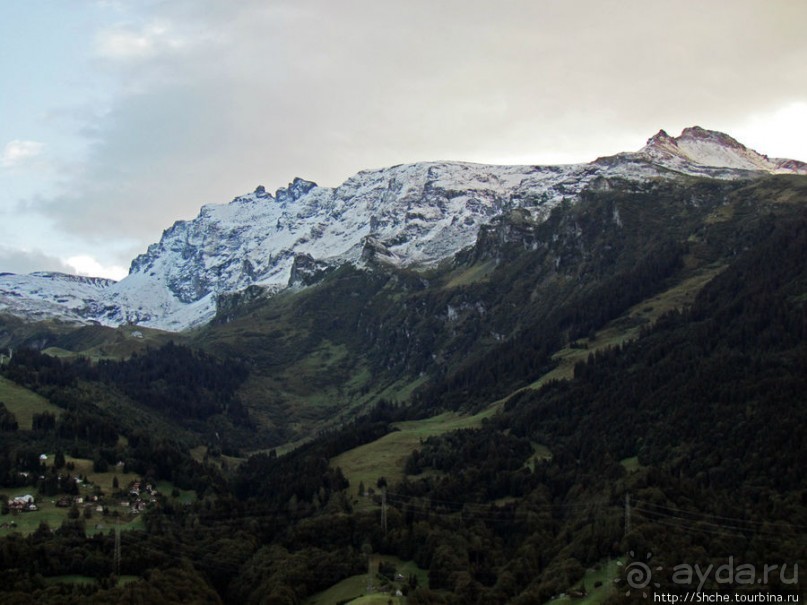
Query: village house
22	504
140	496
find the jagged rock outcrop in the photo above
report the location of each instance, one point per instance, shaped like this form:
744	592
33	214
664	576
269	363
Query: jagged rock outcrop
306	270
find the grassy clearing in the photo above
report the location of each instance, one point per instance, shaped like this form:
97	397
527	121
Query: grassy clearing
24	403
224	463
353	590
407	568
472	275
75	579
402	390
541	453
101	342
628	326
378	599
84	467
603	574
349	588
386	457
71	579
631	464
185	496
27	522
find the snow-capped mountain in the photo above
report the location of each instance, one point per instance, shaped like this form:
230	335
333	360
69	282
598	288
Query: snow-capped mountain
407	215
709	149
44	295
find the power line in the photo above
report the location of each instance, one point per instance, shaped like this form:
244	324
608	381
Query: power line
703	525
709	515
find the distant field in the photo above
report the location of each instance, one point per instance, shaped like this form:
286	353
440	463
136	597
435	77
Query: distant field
604	575
378	599
54	516
351	587
386	457
631	464
355	587
474	274
628	326
101	342
24	403
185	496
27	523
74	579
84	467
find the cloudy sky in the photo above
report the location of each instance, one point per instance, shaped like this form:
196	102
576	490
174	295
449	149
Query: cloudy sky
119	117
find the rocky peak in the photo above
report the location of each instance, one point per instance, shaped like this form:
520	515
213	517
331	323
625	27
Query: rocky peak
296	189
661	138
696	133
701	151
260	192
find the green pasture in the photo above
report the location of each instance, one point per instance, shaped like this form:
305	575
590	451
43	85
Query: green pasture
27	522
353	590
24	403
603	574
386	456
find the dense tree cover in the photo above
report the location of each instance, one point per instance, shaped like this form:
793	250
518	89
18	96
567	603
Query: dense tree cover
178	381
8	422
734	366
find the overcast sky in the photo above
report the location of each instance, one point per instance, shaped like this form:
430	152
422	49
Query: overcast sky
119	117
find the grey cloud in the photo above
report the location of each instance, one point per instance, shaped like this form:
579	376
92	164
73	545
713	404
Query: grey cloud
321	89
13	260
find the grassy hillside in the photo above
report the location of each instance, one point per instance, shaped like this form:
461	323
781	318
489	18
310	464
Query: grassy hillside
24	403
386	456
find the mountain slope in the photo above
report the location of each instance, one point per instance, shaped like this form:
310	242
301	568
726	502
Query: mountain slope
403	216
683	438
470	332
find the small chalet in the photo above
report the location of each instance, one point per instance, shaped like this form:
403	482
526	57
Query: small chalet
22	503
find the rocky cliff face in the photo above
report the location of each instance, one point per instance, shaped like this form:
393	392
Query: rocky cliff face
408	215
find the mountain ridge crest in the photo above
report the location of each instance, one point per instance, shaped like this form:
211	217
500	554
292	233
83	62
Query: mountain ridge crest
408	215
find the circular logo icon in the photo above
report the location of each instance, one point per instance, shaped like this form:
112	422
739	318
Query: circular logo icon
637	575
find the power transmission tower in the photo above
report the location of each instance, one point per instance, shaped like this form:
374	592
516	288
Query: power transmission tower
116	556
384	509
627	514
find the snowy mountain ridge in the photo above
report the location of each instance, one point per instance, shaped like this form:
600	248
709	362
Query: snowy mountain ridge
406	215
712	149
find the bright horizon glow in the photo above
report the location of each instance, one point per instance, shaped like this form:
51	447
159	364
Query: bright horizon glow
89	267
781	133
